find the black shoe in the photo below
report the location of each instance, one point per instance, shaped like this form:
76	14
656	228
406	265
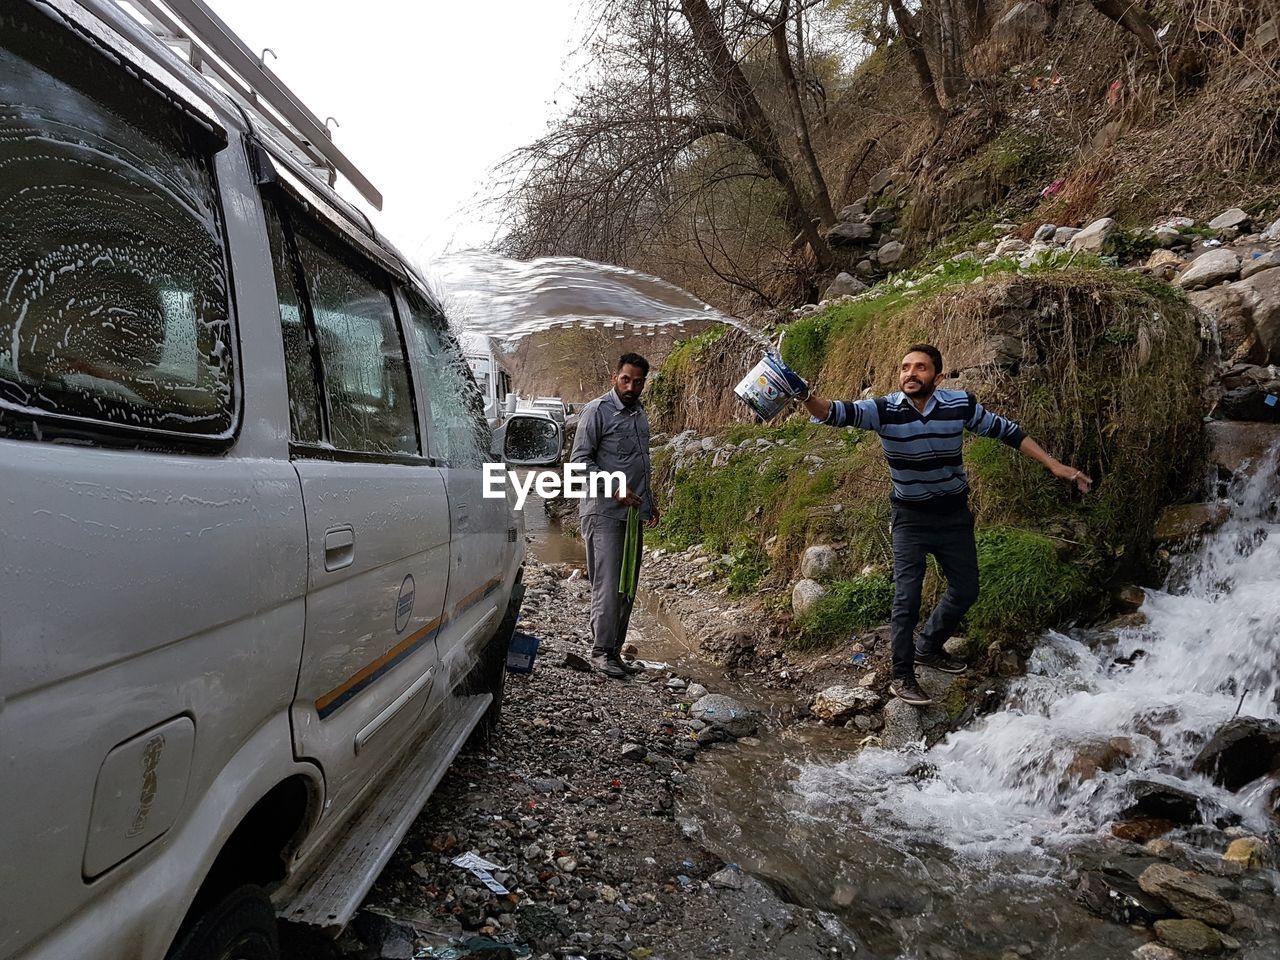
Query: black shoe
941	661
627	665
908	691
609	666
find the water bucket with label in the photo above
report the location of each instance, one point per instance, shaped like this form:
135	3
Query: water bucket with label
765	389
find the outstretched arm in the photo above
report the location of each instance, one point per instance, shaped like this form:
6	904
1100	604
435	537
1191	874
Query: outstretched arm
984	422
1055	466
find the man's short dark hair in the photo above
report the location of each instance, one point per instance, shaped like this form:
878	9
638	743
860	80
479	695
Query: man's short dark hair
635	360
929	350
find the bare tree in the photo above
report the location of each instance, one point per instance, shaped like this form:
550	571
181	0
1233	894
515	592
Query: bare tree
684	99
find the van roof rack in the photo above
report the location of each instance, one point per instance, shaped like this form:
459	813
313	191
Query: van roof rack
198	35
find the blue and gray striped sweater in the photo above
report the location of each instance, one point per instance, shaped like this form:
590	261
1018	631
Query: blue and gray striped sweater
924	450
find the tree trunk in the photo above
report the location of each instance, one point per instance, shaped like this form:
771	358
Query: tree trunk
1133	18
949	62
915	47
758	134
978	16
782	48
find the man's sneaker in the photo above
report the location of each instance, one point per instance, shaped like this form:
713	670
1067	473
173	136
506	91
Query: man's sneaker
908	691
628	665
609	666
941	661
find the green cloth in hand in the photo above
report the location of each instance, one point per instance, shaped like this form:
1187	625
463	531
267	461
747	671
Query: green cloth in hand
631	547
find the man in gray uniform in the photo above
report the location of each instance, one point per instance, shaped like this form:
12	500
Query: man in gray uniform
613	434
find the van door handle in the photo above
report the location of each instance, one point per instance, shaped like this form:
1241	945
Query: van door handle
339	547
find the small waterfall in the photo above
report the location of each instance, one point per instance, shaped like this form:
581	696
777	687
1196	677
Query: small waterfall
1149	695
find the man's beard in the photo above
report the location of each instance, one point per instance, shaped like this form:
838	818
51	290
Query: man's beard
628	400
925	389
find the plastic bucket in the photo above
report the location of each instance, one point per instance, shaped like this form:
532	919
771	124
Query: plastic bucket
521	652
764	389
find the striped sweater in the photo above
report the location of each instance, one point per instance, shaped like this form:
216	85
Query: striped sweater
924	450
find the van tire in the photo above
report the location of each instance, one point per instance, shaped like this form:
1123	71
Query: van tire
240	926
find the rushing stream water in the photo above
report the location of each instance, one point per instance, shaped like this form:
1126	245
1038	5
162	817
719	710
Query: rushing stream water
961	852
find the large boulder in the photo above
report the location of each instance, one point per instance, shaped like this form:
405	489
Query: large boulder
1189	520
1210	269
1154	798
1188	894
1233	219
1234	447
1237	339
1240	751
837	705
725	714
1094	237
907	726
891	252
844	285
1190	937
852	211
849	234
804	595
1098	756
1261	296
818	561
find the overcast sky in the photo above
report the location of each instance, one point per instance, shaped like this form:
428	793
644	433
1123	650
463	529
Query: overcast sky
428	96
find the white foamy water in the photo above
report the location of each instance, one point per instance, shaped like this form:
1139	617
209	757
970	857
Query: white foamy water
510	299
1211	647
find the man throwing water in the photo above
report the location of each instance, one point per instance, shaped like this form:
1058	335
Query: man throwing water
921	429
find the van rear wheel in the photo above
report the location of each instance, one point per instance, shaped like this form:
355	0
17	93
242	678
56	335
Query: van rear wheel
240	926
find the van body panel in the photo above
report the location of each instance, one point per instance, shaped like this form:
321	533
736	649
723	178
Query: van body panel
137	588
371	623
134	912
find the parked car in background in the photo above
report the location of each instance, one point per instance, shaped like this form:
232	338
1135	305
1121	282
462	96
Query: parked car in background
484	357
253	601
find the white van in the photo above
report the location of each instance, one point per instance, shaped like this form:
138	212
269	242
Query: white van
484	357
252	600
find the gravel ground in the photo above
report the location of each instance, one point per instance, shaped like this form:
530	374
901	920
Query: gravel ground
574	803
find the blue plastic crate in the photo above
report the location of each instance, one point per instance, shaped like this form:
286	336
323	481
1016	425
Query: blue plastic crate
521	652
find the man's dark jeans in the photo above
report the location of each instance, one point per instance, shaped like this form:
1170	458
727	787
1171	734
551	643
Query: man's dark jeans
949	537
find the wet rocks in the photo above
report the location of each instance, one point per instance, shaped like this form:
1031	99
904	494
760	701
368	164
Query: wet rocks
1247	853
1240	751
836	705
1189	520
1090	759
1118	898
1233	446
1164	801
1093	238
804	595
907	726
1189	936
1210	269
1187	893
1155	951
725	714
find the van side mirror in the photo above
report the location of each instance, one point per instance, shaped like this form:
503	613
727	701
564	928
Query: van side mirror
532	441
